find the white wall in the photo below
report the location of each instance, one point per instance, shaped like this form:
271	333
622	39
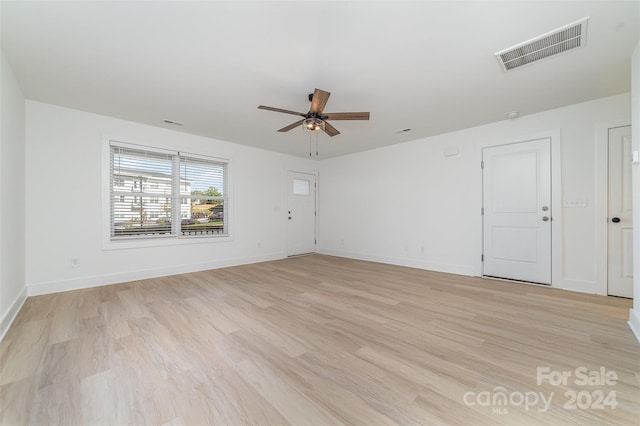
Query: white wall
64	202
634	315
12	200
408	204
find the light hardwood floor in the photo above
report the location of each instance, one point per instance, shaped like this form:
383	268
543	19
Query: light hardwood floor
317	340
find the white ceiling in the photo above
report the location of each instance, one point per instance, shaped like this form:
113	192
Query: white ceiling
428	66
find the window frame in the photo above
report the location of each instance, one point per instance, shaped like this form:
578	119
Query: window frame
110	243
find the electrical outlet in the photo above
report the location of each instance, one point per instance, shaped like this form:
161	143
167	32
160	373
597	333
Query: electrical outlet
75	262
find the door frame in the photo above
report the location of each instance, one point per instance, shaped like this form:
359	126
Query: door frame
286	206
556	200
601	201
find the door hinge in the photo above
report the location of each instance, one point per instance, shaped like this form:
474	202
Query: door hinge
482	258
482	211
482	164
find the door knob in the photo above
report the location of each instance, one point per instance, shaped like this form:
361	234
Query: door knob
615	219
546	218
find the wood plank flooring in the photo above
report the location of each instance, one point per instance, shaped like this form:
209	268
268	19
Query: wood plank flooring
319	340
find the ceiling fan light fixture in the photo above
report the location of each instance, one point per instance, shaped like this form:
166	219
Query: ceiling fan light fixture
313	124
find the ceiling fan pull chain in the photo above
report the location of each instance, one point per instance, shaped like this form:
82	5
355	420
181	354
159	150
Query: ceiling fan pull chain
316	144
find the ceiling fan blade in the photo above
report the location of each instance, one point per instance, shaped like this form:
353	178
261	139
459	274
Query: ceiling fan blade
346	115
291	126
319	100
330	130
286	111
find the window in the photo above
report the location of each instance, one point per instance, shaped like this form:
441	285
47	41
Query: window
193	190
300	187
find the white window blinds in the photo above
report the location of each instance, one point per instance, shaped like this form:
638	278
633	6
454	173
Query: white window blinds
203	181
156	193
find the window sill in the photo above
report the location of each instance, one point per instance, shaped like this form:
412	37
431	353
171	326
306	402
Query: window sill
134	243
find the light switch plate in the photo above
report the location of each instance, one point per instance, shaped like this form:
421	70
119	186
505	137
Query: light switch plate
636	157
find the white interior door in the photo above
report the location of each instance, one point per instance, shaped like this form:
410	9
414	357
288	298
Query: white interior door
301	213
619	227
517	211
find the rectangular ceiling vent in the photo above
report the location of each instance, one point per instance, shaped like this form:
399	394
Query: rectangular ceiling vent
553	43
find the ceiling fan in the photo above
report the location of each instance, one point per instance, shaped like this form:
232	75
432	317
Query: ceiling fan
315	119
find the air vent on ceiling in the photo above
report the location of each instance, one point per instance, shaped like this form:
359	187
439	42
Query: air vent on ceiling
558	41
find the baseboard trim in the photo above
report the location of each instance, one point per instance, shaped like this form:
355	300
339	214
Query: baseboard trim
466	270
36	289
12	312
634	322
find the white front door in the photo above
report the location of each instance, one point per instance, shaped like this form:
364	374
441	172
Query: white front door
301	213
517	211
619	227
